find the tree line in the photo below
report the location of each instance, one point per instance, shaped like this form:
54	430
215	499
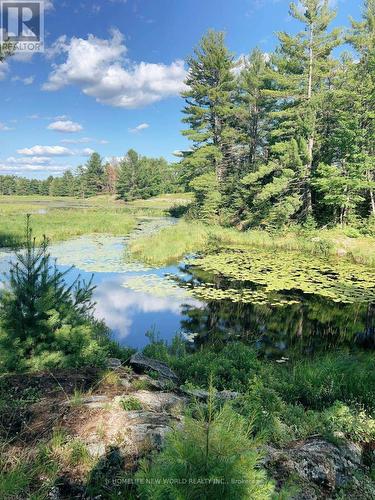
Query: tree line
288	136
135	176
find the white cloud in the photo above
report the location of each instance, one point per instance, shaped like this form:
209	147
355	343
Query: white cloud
45	151
65	126
99	68
22	167
81	140
26	81
4	128
138	128
33	160
87	152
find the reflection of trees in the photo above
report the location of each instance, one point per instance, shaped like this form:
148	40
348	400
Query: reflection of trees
314	324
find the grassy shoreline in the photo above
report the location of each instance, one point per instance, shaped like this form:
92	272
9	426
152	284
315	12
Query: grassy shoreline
171	244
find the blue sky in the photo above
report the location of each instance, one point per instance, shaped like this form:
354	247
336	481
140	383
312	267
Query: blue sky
111	75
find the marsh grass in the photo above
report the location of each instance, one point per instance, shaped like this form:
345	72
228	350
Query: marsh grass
63	218
60	225
171	244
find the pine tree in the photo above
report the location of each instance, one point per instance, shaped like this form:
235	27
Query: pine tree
208	108
362	38
94	175
253	109
301	67
41	317
126	185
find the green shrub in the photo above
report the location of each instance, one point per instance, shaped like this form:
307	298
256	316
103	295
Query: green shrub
210	458
79	454
355	425
352	232
130	403
44	323
230	366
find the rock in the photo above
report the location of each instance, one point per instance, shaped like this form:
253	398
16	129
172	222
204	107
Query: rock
125	383
96	449
161	384
96	401
114	363
202	394
141	362
318	465
158	401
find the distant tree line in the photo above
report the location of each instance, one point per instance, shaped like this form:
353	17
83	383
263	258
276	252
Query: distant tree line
135	176
286	137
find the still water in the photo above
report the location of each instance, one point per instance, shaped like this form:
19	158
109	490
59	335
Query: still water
302	308
128	313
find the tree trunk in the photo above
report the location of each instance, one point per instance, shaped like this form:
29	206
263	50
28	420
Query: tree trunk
372	199
310	144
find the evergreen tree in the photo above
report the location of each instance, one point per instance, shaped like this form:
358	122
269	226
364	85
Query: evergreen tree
300	70
127	188
44	322
94	175
209	107
362	37
253	108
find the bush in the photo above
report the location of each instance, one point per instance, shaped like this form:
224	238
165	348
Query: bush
231	367
343	421
43	322
210	458
130	404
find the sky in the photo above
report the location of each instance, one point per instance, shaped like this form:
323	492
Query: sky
112	72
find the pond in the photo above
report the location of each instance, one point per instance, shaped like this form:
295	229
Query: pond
282	304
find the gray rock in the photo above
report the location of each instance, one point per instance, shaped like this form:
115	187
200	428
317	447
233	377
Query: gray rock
114	363
96	401
318	465
125	383
203	395
143	363
96	449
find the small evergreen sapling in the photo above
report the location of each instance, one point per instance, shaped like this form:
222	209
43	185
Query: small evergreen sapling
43	321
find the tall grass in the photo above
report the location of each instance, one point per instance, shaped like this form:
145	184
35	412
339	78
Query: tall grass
60	225
171	244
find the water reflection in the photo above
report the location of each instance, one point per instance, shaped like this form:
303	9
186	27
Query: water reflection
310	325
127	312
133	299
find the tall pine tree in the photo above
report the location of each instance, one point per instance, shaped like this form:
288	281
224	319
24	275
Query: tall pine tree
301	69
209	103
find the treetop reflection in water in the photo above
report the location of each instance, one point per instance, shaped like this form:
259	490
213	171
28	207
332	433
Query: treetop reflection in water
282	302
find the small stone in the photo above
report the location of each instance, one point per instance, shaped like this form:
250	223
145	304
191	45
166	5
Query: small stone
96	449
114	363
